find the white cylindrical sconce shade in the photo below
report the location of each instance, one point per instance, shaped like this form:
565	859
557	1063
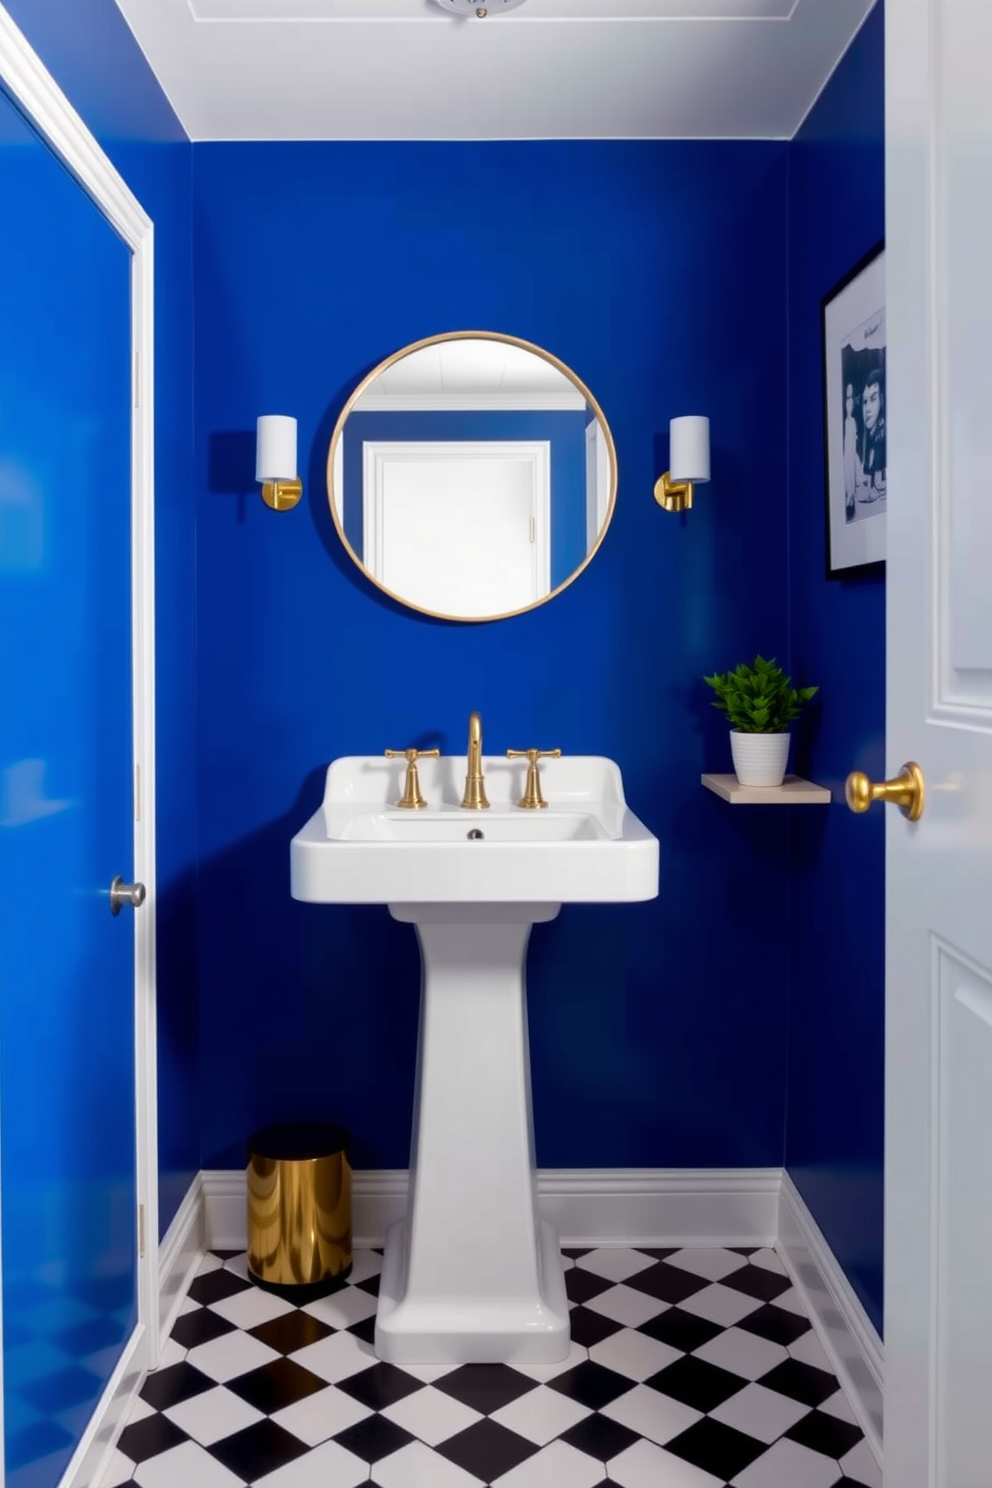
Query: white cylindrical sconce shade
690	448
275	448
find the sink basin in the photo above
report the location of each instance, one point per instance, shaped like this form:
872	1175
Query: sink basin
473	1273
587	847
445	826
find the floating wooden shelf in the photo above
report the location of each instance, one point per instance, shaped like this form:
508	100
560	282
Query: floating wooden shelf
792	792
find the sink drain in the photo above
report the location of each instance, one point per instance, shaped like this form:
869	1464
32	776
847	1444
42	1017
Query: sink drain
475	835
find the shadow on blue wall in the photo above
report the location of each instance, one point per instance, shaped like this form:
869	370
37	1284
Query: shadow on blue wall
231	467
834	1130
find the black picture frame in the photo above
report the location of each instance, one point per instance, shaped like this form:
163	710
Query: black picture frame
853	353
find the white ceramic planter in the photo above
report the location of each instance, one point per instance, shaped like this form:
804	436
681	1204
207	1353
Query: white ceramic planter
759	759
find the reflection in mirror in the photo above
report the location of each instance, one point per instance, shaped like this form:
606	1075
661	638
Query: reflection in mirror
472	475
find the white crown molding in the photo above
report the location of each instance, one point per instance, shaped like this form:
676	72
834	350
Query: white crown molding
402	69
41	99
851	1341
538	12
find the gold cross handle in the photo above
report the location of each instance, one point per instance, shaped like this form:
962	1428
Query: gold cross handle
411	799
532	798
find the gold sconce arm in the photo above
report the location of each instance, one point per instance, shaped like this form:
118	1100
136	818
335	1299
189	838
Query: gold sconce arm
282	495
674	496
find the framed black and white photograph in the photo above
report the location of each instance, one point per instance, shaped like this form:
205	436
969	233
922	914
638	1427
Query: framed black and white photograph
854	412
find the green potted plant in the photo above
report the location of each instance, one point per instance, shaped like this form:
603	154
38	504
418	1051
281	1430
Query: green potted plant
760	702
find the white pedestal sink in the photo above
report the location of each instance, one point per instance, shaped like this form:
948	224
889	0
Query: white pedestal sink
472	1274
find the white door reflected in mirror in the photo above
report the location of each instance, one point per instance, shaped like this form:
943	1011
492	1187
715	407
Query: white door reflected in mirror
471	476
426	507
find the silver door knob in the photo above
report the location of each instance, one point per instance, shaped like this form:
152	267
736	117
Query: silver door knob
122	893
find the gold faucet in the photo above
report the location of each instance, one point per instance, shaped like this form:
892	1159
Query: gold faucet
474	798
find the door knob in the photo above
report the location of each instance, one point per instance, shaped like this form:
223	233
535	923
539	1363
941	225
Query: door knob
122	893
907	791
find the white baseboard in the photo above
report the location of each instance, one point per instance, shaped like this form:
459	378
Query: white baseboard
377	1198
657	1206
841	1323
109	1417
615	1206
183	1247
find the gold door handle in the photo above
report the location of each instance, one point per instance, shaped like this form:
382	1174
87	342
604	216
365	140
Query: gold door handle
412	798
907	791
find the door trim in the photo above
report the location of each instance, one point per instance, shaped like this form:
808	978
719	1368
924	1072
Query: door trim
41	100
378	453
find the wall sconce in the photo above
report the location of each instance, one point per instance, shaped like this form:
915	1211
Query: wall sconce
690	458
275	461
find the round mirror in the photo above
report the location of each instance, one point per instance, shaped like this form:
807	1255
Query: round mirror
472	476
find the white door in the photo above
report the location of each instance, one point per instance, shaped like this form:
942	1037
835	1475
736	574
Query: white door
938	1292
459	527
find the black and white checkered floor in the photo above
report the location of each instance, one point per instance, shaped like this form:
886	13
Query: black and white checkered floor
688	1369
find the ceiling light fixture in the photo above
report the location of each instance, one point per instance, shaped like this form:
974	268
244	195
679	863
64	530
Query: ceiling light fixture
478	8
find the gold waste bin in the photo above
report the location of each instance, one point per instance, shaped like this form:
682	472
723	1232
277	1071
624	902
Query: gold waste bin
299	1209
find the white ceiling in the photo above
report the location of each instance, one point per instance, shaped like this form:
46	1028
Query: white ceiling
551	69
473	373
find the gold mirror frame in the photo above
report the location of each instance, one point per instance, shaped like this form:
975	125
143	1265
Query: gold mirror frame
546	356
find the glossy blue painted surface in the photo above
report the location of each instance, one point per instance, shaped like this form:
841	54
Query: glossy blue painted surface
89	49
834	1142
66	965
658	1030
564	431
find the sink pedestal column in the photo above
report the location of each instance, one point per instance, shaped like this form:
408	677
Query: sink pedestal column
472	1275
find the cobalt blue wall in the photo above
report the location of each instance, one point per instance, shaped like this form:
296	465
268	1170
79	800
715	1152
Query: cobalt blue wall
834	1142
654	1039
658	1030
565	431
93	56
